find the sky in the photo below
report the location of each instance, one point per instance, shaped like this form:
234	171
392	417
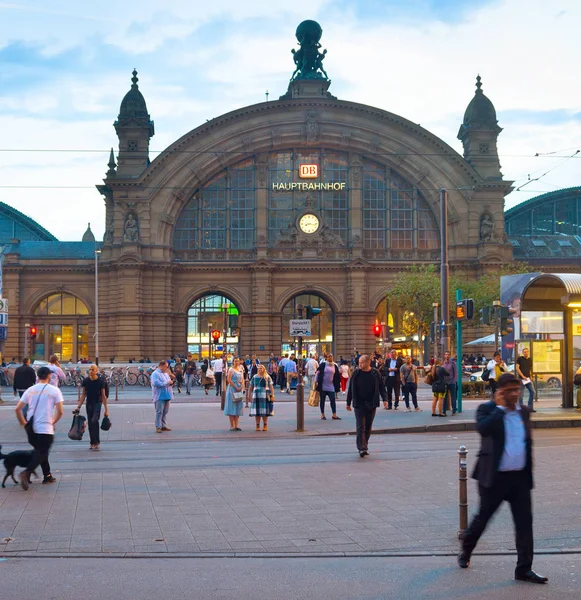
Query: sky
65	66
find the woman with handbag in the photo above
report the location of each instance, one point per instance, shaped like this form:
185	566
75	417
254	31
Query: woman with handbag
439	388
207	379
261	389
328	384
234	394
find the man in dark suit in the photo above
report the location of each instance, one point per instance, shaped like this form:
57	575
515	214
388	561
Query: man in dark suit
504	471
391	370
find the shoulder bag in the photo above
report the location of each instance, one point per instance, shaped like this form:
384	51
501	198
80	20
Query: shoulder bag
30	422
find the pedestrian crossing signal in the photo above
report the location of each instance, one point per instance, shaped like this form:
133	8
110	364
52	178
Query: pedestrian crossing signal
33	332
377	330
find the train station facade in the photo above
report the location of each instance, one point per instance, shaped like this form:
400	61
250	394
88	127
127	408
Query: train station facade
308	199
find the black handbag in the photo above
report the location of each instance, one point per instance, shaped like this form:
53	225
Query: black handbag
106	424
78	427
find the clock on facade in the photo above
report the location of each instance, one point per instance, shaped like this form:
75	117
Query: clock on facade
309	223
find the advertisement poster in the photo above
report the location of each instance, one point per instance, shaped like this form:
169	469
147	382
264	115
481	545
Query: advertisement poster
546	356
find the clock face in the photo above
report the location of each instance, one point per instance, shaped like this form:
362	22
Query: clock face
309	223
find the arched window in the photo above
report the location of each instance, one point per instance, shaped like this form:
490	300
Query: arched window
322	325
395	214
287	199
62	328
209	313
220	215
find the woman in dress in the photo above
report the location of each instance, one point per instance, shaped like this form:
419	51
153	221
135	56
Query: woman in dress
261	389
207	379
328	384
439	388
234	404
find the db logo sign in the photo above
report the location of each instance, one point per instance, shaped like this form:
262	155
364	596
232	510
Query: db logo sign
308	171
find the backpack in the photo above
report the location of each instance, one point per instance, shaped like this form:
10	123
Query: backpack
485	375
78	428
577	379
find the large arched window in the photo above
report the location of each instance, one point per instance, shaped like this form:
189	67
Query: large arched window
209	313
395	214
322	325
285	205
62	328
220	215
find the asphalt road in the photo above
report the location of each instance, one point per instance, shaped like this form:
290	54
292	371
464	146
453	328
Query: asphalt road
372	578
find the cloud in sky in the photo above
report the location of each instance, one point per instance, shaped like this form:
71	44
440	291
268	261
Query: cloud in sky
64	68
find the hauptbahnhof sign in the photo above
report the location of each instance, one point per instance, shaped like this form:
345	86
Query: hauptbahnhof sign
308	172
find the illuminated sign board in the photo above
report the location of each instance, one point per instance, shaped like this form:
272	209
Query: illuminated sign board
308	171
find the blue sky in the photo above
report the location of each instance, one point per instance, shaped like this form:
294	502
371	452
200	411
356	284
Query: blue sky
65	66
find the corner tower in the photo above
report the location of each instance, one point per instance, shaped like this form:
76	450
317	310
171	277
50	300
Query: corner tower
479	134
134	129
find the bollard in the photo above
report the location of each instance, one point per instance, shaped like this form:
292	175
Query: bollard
116	390
462	490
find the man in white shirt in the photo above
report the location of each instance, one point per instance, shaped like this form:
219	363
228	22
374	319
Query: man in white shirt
311	369
218	366
45	408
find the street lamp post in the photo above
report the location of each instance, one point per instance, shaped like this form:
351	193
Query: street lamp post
97	252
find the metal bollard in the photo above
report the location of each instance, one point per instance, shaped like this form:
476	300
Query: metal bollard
116	390
462	490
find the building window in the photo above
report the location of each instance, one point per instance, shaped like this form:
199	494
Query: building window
285	205
322	325
395	214
220	215
61	304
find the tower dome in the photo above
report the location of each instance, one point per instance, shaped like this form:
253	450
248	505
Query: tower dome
133	108
480	112
88	236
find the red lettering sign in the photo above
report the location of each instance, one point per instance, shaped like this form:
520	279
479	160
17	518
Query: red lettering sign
308	171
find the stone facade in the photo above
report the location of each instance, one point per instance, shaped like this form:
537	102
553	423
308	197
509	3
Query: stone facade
146	284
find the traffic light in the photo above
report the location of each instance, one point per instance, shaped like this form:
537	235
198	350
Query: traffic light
465	309
33	332
311	312
506	320
469	309
377	330
485	315
216	335
432	332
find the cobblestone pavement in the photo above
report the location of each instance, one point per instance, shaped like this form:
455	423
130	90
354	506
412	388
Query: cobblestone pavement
277	496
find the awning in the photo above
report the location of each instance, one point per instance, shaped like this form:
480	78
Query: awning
487	339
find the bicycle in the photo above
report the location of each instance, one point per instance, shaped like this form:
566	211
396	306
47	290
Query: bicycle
144	377
4	381
130	377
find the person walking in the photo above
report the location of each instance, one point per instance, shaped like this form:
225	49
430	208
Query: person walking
439	388
290	373
495	368
24	377
344	372
328	383
504	472
207	379
162	393
311	367
57	377
261	390
409	382
218	366
45	408
281	372
365	389
178	371
391	370
450	401
233	406
524	370
95	395
191	369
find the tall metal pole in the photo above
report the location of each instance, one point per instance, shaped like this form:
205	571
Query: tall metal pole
97	252
224	363
26	338
496	309
436	328
300	382
444	273
459	357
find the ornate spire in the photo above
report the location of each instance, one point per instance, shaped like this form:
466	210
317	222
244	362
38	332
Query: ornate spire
88	235
111	164
480	113
134	80
133	110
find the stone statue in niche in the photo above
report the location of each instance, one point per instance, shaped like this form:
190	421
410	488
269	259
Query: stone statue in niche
486	227
130	229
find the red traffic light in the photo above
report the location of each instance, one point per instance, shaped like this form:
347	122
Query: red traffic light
33	332
216	335
377	330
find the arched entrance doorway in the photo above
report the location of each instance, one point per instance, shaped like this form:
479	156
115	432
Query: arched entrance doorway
322	325
209	313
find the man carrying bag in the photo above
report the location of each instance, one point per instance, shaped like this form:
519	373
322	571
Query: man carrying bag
45	408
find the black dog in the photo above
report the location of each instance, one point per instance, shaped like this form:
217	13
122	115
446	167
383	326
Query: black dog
19	458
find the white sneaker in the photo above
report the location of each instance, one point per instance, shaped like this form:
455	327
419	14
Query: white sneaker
408	410
418	410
